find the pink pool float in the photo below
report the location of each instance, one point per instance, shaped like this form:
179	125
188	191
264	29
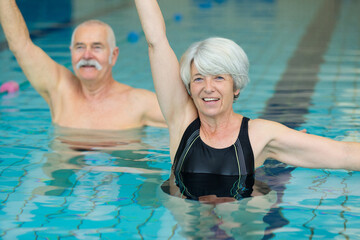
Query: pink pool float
10	87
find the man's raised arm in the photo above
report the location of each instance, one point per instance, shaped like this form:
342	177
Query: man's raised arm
42	72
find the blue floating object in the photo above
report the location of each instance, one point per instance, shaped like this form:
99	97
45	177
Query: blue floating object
133	37
205	5
178	17
220	1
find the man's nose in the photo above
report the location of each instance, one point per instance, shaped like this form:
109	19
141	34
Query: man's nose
88	54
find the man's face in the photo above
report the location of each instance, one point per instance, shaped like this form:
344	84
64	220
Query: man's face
91	56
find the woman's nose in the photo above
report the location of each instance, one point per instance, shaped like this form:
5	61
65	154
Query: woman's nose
208	86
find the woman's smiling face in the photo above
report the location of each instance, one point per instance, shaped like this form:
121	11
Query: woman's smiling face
212	94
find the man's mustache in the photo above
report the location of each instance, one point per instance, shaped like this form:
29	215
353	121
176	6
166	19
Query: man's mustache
91	63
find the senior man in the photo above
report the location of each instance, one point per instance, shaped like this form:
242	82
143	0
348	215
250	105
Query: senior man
90	98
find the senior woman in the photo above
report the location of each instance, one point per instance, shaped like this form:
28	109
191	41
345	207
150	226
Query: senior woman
206	135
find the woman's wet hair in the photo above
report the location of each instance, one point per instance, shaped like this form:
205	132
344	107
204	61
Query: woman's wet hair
214	56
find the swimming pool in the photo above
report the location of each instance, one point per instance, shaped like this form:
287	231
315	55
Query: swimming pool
59	183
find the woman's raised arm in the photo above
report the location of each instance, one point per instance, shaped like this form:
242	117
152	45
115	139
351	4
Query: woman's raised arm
176	105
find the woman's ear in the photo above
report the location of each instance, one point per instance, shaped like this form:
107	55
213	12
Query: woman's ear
236	93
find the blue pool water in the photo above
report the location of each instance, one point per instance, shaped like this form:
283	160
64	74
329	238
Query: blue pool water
59	183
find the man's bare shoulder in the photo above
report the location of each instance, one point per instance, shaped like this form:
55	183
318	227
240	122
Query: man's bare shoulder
141	94
139	97
64	84
119	87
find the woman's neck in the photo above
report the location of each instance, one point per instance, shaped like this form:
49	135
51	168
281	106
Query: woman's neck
220	132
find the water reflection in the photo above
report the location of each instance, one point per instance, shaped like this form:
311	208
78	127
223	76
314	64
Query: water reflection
226	206
78	155
213	188
226	220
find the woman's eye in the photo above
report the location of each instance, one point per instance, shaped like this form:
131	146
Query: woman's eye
219	78
197	79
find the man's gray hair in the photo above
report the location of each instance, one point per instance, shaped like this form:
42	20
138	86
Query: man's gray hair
110	31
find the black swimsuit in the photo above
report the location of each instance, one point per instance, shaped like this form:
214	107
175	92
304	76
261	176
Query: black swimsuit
202	170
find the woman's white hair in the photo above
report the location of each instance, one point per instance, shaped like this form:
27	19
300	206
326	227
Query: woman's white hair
214	56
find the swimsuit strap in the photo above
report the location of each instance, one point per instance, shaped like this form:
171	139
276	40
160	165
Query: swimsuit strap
246	147
190	135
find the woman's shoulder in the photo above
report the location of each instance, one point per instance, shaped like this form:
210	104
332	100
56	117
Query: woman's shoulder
259	123
264	129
